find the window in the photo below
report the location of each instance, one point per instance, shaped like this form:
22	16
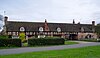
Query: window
54	33
41	29
30	33
51	32
14	33
48	33
9	33
45	33
59	29
27	33
17	33
22	29
34	33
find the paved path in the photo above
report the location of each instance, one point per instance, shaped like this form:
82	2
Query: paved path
34	49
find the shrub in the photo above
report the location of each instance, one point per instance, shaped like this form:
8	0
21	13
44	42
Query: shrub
45	41
89	40
24	41
3	37
51	37
10	42
98	40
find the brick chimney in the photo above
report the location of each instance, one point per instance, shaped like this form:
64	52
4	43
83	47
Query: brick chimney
5	20
93	23
93	26
46	26
73	21
5	23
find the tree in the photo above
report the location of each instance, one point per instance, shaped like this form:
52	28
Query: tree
22	36
97	29
1	17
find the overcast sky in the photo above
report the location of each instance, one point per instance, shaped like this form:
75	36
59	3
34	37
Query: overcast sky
83	11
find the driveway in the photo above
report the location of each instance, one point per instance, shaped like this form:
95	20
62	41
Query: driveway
35	49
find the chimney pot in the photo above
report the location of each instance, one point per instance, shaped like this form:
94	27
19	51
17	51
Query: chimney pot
93	23
5	19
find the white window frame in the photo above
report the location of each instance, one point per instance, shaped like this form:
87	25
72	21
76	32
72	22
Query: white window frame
41	29
22	29
58	29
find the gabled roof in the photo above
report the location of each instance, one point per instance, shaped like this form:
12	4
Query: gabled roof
34	26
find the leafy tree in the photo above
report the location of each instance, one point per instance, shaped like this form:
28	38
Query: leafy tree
1	17
22	36
1	20
97	29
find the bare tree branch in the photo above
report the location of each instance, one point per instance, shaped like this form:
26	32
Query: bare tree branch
1	17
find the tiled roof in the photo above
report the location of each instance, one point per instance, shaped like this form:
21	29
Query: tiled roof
34	26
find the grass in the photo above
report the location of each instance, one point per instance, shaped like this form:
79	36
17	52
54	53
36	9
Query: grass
25	44
70	43
89	40
8	47
85	52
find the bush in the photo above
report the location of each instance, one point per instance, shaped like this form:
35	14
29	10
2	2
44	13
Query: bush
24	41
45	41
10	42
89	40
51	37
98	40
3	37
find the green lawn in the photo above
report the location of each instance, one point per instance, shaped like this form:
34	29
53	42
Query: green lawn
70	43
86	52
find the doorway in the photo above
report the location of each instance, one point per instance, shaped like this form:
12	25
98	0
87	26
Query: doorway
72	36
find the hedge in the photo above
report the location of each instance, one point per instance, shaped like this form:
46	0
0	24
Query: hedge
41	41
10	42
3	37
90	40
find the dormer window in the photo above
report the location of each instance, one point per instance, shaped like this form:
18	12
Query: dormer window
22	29
40	29
58	29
